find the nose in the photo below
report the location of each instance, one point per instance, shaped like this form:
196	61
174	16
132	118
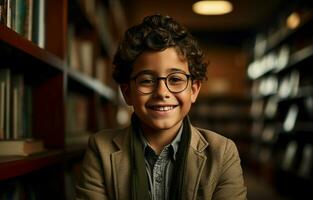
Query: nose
161	89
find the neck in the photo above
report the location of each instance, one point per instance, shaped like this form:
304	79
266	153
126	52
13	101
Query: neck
158	139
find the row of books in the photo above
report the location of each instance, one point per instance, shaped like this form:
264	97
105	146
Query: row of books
26	17
295	157
277	61
299	159
274	60
16	116
15	106
79	123
17	190
292	122
90	51
281	108
84	58
264	108
220	109
110	23
91	48
266	133
275	108
284	87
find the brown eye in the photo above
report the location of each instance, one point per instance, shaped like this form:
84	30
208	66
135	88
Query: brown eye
145	80
175	79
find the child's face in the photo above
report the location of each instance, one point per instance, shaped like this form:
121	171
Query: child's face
161	109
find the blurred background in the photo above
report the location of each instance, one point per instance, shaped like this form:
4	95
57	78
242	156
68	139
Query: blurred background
259	90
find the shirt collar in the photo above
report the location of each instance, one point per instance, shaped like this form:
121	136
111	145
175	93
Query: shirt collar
174	144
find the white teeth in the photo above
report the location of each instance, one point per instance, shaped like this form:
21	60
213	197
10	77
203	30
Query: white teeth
164	108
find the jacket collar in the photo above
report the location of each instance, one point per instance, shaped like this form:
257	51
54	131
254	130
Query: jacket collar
121	163
197	141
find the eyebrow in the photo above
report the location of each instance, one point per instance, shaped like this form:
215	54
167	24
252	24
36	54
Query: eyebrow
148	71
175	70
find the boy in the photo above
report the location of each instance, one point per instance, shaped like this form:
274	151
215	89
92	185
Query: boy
159	68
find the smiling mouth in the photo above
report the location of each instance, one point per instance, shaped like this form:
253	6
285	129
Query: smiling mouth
162	108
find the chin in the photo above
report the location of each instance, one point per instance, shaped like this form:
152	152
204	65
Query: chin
162	124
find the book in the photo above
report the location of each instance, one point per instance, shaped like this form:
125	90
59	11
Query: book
38	22
76	114
271	107
101	69
290	156
86	56
291	118
2	108
28	19
23	147
5	82
17	99
3	12
20	16
27	112
9	13
306	164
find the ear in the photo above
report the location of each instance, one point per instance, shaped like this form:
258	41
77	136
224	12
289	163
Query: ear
125	89
195	88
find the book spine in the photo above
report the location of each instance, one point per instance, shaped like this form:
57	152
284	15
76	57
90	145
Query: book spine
9	11
38	22
2	12
17	84
7	103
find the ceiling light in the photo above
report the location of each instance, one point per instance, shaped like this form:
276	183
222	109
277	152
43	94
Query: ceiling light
293	21
219	7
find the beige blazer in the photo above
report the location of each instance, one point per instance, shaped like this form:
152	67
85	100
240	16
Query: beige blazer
213	167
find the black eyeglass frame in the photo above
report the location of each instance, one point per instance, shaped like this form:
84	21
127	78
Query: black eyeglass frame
188	76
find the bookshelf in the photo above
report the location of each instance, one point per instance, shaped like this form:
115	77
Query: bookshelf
227	115
56	93
223	102
281	107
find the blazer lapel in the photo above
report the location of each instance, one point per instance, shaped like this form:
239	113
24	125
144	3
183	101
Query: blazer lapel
120	161
195	164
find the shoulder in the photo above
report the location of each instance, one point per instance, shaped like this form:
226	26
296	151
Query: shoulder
108	139
216	143
108	134
208	136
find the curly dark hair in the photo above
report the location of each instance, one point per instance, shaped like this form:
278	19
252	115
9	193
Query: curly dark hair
157	32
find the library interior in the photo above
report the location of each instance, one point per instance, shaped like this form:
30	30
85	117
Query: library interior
56	88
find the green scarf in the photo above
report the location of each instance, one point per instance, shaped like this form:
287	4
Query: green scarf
139	179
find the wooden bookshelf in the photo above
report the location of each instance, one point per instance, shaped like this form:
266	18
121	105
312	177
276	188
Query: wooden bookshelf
227	115
281	95
18	165
282	35
53	81
91	84
12	42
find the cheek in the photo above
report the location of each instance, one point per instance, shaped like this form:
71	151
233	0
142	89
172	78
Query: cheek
185	98
139	100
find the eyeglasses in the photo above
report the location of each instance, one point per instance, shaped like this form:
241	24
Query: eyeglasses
175	82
